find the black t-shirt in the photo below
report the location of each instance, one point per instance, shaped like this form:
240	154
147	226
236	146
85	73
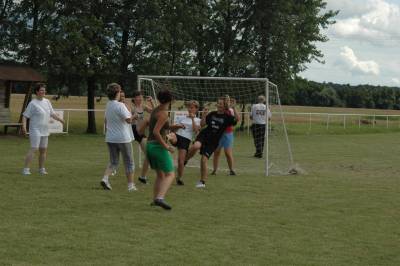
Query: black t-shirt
216	125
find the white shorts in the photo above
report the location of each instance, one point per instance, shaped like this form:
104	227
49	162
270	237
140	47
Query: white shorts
39	141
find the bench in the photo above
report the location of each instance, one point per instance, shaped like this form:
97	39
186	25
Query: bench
5	120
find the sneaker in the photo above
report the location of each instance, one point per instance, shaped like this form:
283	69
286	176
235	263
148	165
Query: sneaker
161	203
258	155
132	188
214	172
26	171
43	171
185	162
200	185
143	179
114	172
231	172
106	185
179	182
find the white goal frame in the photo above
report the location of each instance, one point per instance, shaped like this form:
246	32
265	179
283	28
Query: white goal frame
150	78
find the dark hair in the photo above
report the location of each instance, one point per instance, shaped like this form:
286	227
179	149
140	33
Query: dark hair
137	93
38	86
112	90
164	96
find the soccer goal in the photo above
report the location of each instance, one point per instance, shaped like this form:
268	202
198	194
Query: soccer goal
276	158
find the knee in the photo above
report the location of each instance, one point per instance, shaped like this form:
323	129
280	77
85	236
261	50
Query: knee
33	150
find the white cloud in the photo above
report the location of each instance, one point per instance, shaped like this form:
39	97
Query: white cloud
350	61
396	81
373	20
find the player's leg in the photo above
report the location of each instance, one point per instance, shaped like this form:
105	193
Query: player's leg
228	149
259	138
34	143
262	139
216	156
113	151
163	163
43	154
193	150
206	151
145	167
127	155
181	164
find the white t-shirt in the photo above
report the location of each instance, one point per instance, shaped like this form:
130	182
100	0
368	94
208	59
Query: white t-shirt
39	112
117	129
258	112
187	132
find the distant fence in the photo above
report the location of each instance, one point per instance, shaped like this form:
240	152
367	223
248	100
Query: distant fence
308	121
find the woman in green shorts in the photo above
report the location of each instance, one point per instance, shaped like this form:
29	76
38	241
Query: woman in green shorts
158	150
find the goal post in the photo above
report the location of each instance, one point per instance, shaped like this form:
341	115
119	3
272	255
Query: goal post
277	152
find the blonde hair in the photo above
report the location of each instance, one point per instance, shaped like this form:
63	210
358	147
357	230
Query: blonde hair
193	102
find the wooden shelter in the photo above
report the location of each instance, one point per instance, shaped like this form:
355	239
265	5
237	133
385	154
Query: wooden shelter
10	75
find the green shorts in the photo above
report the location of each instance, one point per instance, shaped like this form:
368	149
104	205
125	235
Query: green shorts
159	157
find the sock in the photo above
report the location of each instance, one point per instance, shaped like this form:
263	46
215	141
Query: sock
27	169
143	177
130	185
203	182
105	178
160	198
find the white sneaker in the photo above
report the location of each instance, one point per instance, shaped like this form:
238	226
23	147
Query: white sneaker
106	185
26	171
132	188
114	172
43	171
200	185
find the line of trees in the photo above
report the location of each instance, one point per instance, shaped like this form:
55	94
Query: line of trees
83	45
338	95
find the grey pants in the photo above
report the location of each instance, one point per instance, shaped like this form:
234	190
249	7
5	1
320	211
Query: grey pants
127	154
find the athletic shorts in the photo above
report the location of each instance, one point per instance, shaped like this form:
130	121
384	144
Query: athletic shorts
182	143
39	141
208	146
136	134
126	150
159	157
226	140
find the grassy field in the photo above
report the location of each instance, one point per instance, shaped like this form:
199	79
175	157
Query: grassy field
344	211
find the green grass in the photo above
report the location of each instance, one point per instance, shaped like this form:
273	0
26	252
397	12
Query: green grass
344	211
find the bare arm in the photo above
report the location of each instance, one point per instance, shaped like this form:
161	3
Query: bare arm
203	117
24	122
175	127
149	107
195	127
55	117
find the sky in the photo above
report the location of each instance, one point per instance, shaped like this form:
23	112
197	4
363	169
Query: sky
363	46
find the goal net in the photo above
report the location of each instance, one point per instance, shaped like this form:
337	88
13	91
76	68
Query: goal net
276	158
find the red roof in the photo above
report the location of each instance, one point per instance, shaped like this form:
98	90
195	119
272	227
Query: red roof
19	73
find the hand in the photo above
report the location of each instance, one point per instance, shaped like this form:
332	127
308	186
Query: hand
62	121
233	102
171	149
182	126
149	98
190	115
24	131
205	111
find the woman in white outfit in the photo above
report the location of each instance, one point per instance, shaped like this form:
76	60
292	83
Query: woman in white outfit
38	112
119	137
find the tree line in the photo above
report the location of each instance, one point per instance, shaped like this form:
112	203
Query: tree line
344	95
83	45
